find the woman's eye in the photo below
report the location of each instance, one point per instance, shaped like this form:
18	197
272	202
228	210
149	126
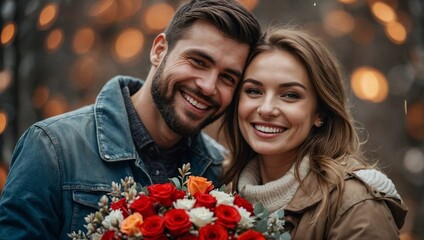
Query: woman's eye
252	91
290	95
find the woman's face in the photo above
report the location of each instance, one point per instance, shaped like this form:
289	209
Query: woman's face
278	104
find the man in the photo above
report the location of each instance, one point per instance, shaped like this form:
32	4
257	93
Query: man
63	165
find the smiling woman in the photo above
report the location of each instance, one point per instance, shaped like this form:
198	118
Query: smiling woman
294	146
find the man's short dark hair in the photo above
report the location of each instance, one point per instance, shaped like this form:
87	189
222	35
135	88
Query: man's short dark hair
231	18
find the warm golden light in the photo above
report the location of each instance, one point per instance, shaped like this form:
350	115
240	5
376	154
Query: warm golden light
415	121
8	33
369	84
348	1
338	23
40	96
83	40
84	72
3	121
157	16
55	106
127	9
129	44
5	80
48	15
54	40
249	4
383	12
396	32
105	11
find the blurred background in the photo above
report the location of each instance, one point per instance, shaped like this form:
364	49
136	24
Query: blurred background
56	55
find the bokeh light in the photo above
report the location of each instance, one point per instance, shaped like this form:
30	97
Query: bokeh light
83	40
338	23
48	16
157	16
396	32
54	40
8	33
363	32
40	96
104	11
415	120
383	12
55	106
249	4
3	121
5	80
128	45
369	84
414	160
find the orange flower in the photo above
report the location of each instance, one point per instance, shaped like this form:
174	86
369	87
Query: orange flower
198	184
131	224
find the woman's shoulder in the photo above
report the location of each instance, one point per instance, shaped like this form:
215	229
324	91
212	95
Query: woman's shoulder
368	186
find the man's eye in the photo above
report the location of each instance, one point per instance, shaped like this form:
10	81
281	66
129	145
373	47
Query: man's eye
197	62
228	79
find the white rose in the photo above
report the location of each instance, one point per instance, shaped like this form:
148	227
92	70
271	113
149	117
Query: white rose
222	197
201	216
246	220
185	204
114	219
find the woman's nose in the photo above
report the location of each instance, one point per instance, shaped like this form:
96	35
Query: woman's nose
268	108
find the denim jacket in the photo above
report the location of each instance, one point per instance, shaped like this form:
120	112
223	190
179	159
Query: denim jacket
62	166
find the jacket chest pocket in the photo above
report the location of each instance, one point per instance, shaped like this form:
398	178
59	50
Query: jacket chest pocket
84	203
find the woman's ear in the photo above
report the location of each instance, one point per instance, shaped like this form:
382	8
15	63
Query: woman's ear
159	48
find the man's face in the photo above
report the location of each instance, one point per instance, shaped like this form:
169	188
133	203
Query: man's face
195	81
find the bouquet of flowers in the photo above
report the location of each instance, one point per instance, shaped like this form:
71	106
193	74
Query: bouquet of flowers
188	207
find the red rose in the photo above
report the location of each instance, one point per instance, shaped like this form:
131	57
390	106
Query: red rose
177	222
152	227
187	236
205	200
241	202
227	216
143	205
213	232
162	192
251	235
178	194
121	205
109	235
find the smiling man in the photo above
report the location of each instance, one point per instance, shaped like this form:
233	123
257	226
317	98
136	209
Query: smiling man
146	129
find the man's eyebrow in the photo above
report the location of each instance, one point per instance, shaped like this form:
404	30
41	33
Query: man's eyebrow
212	61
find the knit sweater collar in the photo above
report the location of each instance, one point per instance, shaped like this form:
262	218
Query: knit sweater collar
273	195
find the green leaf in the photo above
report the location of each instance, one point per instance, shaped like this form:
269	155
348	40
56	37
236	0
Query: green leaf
285	236
261	226
280	214
258	208
176	182
144	189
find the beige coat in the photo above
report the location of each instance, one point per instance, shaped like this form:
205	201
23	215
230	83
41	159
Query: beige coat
364	213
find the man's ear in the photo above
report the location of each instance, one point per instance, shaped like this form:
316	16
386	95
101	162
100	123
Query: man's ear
159	48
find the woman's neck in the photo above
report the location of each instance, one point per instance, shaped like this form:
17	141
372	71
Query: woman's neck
274	167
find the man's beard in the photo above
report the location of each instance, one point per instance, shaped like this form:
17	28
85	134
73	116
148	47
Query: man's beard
166	107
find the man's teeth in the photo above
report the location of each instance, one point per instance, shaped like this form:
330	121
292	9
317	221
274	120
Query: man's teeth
269	129
194	102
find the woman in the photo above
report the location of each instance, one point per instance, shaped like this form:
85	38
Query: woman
294	146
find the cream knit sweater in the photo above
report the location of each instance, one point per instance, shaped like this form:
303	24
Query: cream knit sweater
277	194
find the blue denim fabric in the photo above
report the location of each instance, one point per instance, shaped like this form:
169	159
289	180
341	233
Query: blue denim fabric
63	165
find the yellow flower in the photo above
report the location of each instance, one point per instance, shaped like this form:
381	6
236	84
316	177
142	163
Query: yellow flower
131	224
198	184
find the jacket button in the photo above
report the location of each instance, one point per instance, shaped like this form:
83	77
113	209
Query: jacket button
107	157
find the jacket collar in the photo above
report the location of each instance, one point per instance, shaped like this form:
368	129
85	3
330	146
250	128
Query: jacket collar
308	192
113	131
